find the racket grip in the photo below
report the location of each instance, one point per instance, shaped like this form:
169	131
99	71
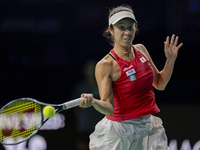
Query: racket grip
72	103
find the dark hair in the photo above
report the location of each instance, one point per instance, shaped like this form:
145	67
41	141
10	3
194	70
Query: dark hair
123	7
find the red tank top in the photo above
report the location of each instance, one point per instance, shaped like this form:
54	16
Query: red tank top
133	92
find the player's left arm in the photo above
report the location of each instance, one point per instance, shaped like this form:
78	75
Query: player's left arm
171	51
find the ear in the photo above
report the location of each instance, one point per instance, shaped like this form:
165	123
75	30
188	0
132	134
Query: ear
111	30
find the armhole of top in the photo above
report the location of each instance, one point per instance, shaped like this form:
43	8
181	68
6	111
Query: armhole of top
112	56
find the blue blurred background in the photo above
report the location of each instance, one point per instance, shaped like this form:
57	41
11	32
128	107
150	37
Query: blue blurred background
45	46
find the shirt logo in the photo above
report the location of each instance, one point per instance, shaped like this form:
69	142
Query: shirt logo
127	68
132	77
130	72
143	59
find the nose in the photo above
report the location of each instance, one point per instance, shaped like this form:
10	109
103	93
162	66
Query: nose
127	32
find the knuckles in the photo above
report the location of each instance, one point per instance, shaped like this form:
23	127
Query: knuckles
87	100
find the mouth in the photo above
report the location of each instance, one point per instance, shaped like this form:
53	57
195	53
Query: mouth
127	40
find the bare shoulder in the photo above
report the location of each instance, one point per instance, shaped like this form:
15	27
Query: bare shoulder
104	66
105	63
142	49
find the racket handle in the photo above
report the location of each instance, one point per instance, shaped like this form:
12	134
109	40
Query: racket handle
72	103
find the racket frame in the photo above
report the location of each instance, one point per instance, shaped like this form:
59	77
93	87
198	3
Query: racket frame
58	108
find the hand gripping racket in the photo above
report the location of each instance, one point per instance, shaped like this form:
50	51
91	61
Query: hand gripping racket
22	118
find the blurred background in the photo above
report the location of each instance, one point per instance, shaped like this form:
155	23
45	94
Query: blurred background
48	50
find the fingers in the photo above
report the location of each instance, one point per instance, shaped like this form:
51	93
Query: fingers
171	48
166	44
173	41
176	41
167	40
180	45
87	101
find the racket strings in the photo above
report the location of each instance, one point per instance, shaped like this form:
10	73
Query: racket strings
19	120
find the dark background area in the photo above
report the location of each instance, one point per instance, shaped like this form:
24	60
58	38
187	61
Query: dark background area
44	45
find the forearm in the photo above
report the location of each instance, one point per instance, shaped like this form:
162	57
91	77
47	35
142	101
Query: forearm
171	52
165	75
103	107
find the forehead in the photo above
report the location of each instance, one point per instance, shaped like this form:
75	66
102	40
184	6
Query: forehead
127	21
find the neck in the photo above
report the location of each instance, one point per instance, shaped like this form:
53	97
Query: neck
125	53
122	49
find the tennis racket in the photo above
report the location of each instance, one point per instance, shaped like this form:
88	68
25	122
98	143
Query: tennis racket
22	118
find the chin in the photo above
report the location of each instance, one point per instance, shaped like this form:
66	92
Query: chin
127	45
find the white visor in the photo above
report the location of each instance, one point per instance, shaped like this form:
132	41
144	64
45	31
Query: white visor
120	15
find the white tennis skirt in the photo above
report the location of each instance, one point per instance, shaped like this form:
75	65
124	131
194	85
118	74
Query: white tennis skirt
143	133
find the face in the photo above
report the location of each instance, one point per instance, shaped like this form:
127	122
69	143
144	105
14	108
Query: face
124	32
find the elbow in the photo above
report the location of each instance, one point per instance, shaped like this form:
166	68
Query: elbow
110	112
160	88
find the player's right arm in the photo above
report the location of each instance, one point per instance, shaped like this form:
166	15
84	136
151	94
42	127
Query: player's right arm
103	77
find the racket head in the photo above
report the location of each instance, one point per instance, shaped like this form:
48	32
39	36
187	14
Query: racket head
20	120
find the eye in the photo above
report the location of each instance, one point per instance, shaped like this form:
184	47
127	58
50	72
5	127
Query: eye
122	28
131	28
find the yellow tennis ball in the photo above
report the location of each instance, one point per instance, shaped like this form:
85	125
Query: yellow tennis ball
49	111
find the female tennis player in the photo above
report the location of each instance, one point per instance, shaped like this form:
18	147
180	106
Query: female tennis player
126	77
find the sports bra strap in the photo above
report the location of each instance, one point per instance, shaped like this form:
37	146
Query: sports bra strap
112	56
